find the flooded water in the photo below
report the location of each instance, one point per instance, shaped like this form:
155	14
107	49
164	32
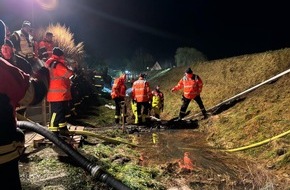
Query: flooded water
185	147
170	145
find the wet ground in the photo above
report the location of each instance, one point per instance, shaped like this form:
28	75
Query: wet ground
193	164
188	162
170	145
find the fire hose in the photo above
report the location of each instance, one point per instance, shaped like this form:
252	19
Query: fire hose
258	143
96	171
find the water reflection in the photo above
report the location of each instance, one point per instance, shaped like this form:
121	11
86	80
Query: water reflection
170	145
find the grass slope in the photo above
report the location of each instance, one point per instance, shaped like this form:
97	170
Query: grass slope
263	113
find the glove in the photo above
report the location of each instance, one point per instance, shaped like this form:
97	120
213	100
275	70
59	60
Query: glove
42	75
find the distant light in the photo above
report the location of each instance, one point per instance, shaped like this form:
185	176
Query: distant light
48	5
127	72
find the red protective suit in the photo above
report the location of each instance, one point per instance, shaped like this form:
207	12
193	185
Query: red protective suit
59	88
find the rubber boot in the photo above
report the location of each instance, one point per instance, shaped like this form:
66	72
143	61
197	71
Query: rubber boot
204	113
63	131
148	121
139	120
181	115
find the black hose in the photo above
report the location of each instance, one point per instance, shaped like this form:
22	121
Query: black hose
86	164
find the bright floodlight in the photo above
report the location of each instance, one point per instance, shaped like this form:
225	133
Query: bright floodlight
48	5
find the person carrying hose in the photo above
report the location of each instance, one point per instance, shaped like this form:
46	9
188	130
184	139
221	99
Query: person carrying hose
16	89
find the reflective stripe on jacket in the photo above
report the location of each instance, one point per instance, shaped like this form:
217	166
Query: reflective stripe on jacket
48	46
141	90
60	84
191	86
119	88
11	151
26	45
157	99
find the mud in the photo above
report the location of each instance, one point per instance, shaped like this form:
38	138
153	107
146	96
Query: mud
212	168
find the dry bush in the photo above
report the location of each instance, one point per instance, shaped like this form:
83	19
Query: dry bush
64	39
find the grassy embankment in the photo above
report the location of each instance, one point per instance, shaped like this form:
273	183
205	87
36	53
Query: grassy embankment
263	113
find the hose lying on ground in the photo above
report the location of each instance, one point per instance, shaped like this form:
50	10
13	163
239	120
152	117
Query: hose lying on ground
85	133
107	139
87	165
258	143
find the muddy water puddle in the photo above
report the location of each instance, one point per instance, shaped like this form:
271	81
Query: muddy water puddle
172	145
189	149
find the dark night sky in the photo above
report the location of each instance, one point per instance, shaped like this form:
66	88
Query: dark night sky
115	28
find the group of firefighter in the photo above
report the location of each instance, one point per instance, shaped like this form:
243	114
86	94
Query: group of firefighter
28	76
63	94
143	99
30	72
146	103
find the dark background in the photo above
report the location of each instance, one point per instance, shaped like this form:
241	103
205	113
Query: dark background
116	28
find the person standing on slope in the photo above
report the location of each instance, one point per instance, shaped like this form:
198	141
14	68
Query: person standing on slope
192	87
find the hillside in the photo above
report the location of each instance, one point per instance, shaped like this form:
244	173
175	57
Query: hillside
259	115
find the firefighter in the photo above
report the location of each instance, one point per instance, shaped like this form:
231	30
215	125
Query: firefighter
45	47
118	95
157	104
23	43
19	89
59	92
141	94
7	52
192	87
